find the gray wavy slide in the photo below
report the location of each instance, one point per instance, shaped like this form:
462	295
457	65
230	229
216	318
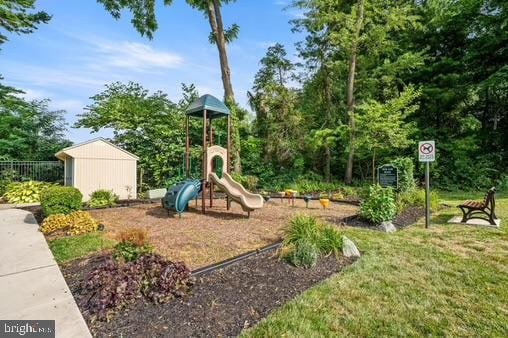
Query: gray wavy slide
237	192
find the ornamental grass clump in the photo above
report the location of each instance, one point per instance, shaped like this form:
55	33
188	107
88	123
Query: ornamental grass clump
307	239
113	285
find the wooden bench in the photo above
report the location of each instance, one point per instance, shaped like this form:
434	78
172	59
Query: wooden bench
480	210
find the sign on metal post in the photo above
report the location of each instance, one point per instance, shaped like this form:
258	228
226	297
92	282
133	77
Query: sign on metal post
427	154
427	151
388	176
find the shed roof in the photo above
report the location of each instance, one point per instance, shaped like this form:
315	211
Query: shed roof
215	108
70	151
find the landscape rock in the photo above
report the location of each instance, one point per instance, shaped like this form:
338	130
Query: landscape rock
387	227
349	248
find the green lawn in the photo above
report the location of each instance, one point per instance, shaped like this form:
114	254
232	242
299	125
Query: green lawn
68	248
450	280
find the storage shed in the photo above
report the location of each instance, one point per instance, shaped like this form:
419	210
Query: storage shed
99	164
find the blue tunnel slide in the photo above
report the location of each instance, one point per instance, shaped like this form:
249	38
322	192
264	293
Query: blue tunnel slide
178	196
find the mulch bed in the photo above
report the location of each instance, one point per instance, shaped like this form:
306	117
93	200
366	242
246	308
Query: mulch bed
200	240
222	303
406	218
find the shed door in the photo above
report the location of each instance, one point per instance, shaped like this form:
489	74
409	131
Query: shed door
69	170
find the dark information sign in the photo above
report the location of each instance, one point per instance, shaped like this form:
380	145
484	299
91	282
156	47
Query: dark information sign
388	176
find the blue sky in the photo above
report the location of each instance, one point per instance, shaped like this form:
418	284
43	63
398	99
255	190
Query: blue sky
83	48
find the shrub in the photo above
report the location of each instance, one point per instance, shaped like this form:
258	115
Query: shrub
132	244
248	181
60	200
25	192
113	285
304	254
306	239
7	176
102	199
379	205
53	223
79	222
405	168
416	198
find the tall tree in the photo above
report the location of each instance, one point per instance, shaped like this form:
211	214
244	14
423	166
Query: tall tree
145	22
29	130
382	127
278	118
147	124
319	95
365	39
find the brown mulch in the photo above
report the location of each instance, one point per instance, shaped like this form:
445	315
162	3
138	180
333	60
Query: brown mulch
409	216
222	302
200	240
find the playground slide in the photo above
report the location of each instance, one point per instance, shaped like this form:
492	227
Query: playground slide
177	198
237	192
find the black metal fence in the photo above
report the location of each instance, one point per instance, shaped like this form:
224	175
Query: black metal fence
45	171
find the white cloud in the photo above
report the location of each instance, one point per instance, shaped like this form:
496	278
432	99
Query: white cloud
133	56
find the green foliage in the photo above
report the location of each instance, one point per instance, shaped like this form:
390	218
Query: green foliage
382	126
148	125
25	192
306	240
7	177
416	198
17	18
61	200
379	206
30	130
405	168
305	254
248	181
102	199
128	251
278	120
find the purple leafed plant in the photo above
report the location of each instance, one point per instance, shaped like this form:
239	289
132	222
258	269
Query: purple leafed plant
114	285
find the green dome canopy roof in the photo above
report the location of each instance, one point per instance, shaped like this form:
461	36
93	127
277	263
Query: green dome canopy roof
215	108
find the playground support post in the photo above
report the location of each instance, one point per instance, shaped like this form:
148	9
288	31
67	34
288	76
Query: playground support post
228	159
187	148
203	183
210	137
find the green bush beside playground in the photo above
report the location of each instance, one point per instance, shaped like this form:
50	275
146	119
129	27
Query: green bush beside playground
61	200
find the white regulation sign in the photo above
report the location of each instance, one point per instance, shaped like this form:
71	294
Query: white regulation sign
427	151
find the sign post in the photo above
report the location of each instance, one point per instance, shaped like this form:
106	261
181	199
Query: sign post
427	154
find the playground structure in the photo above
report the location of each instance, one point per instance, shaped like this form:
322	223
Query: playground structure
208	108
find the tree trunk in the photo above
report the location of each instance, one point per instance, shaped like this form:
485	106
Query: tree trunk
215	18
374	166
351	91
328	102
217	26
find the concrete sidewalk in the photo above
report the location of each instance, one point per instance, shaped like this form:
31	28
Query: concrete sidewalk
31	284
